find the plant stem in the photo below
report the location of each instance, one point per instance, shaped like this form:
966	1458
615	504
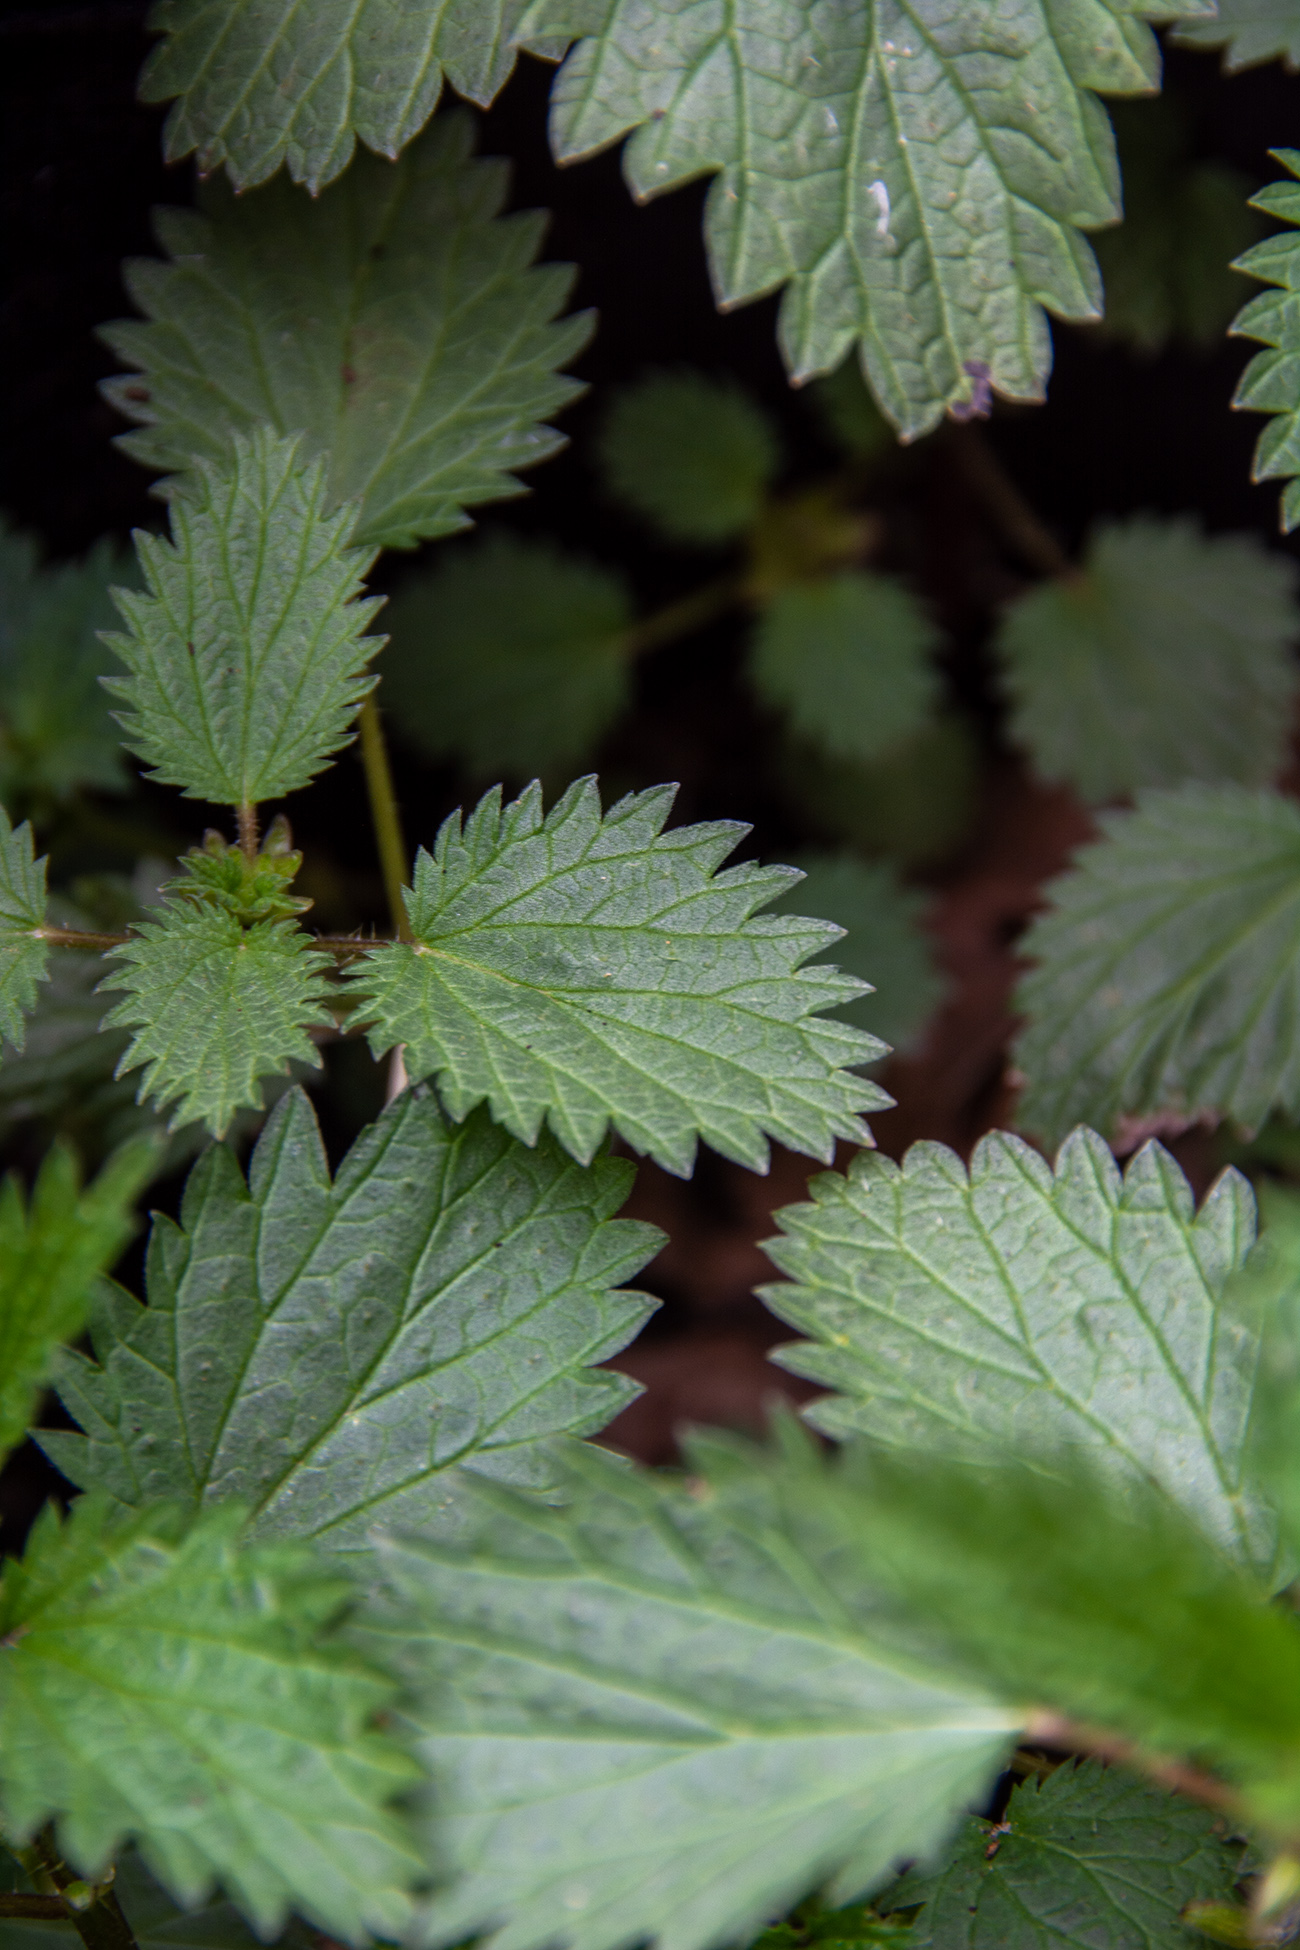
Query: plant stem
101	1926
384	814
80	938
1011	513
246	822
1054	1730
681	618
42	1909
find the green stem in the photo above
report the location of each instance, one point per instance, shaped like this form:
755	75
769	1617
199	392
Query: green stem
38	1909
80	938
686	615
101	1924
990	482
246	822
384	814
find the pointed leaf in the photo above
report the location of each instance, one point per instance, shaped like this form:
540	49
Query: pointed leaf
1248	31
690	454
883	943
263	84
849	659
167	1684
593	971
51	1249
399	322
1168	658
1271	382
509	655
56	730
1019	1308
216	1007
1168	967
1089	1855
325	1352
656	1716
247	657
23	955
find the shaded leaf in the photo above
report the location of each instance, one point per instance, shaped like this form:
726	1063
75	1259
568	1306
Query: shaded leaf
849	659
883	943
398	322
51	1250
1017	1309
654	1715
914	804
56	730
325	1352
167	1684
1271	382
1248	31
23	955
509	655
157	1921
693	455
1089	1855
1168	658
590	971
1167	967
216	1007
247	656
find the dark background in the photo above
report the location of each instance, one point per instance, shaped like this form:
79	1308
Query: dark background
80	171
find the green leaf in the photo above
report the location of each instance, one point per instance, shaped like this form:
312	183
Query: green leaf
916	179
848	658
508	655
1248	31
1271	382
265	84
652	1715
1168	658
1266	1297
844	404
691	454
399	322
172	1686
23	955
592	971
1013	1307
50	1253
914	805
883	943
1167	267
325	1352
1167	967
216	1007
1089	1855
157	1921
56	732
247	656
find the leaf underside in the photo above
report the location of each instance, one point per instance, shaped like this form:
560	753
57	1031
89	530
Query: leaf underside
916	178
1014	1309
1168	658
149	1673
593	971
23	958
1167	967
326	1352
1271	382
652	1716
399	323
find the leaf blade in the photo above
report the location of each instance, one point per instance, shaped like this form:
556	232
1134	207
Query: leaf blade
24	957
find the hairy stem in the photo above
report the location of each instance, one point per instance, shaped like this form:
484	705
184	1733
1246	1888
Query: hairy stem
37	1909
246	823
101	1924
985	475
80	938
384	814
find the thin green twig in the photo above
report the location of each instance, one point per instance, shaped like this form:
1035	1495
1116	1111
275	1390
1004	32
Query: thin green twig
384	814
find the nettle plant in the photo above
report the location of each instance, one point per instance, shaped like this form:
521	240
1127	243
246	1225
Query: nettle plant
350	1630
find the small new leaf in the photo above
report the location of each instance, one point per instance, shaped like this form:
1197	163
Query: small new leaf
1271	382
172	1685
692	455
248	654
56	730
23	955
883	943
1168	967
1017	1308
849	659
590	971
399	322
1248	31
325	1352
1168	658
657	1716
1090	1855
215	1007
51	1249
508	655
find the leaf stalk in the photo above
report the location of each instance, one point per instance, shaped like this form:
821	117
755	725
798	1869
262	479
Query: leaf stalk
385	815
